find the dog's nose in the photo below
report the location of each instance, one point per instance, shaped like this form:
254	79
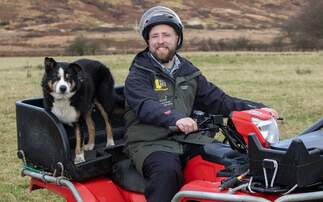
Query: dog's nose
62	89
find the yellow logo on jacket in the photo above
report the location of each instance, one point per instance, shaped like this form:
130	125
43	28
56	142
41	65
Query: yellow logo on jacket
160	85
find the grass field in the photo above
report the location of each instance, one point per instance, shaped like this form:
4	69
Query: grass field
289	82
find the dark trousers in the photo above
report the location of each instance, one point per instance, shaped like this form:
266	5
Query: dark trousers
163	171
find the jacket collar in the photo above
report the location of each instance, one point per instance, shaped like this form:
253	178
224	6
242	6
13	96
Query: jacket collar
143	59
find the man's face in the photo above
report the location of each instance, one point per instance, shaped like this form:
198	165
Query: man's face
163	42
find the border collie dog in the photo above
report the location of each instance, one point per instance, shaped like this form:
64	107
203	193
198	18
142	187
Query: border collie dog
72	90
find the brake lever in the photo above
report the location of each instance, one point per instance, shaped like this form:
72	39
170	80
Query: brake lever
175	129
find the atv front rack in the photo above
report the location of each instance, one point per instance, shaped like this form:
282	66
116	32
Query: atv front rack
198	195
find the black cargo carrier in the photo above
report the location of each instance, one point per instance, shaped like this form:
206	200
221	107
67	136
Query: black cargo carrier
45	143
295	163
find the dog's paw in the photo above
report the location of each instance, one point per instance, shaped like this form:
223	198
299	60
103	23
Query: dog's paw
110	142
79	158
88	147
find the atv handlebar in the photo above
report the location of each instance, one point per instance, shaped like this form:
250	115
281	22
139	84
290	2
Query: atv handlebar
204	122
210	124
173	129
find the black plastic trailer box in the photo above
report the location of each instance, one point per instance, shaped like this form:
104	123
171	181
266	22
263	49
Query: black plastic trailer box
47	144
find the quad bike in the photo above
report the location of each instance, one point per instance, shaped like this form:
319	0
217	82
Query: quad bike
248	164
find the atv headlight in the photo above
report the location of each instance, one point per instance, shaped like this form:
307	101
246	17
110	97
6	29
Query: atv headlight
268	129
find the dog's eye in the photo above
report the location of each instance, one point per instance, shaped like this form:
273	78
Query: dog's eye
56	78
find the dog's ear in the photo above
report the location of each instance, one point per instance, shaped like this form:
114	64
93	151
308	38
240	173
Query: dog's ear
78	70
49	63
75	67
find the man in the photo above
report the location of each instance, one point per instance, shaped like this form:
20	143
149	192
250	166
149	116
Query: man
161	90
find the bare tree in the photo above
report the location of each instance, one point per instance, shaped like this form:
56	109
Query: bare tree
306	29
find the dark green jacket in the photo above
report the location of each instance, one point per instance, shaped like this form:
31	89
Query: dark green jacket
156	101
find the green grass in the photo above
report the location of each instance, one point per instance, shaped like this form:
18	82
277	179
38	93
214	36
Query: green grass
289	82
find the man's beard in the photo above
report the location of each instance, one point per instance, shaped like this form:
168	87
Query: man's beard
164	57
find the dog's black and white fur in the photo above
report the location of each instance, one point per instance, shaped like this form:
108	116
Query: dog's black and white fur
71	90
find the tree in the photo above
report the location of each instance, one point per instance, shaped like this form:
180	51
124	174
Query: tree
81	46
306	29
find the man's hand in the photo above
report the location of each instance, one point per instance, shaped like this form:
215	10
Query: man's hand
272	112
186	125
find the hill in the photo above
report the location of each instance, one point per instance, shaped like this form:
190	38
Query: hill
44	27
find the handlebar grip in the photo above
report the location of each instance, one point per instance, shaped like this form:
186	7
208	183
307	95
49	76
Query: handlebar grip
173	129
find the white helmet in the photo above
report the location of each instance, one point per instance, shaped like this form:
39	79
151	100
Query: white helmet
161	15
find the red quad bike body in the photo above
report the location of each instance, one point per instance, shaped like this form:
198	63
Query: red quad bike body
289	170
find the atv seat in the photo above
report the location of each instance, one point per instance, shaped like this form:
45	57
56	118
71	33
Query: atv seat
220	153
235	163
124	172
